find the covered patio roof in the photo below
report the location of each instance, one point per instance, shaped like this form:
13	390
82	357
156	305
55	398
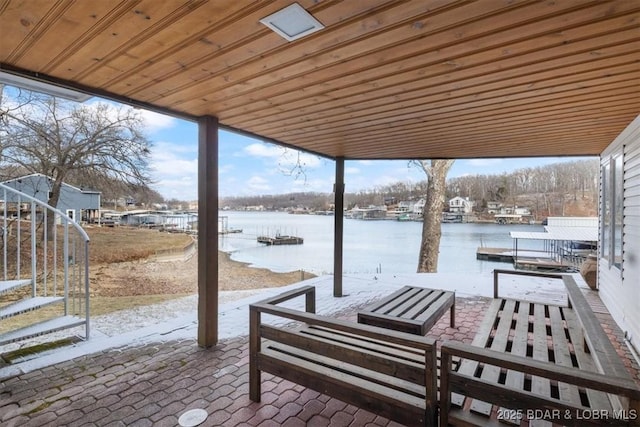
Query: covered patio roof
384	79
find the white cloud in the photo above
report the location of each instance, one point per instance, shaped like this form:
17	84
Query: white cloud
167	164
155	122
263	150
316	185
180	188
152	121
351	170
365	162
175	176
257	184
383	180
285	158
176	148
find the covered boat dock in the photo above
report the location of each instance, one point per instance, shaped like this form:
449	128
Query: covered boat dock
566	243
564	247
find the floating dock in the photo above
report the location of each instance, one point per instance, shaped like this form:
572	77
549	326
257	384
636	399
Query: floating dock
567	243
494	254
230	231
280	240
523	260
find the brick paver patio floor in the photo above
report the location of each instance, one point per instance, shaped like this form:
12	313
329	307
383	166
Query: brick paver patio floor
154	384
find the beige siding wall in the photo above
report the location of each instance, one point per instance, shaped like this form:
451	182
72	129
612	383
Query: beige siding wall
620	291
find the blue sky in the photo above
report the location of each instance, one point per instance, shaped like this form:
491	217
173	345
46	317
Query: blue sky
250	167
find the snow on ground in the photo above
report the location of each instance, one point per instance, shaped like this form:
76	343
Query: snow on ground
177	319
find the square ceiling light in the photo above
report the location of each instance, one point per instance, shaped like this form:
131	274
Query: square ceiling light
292	22
42	87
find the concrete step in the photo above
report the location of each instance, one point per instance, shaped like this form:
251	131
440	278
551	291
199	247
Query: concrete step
27	305
8	285
42	328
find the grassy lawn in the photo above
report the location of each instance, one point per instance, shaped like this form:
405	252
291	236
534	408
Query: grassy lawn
108	247
120	244
122	276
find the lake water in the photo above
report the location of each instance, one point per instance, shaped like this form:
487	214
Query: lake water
369	246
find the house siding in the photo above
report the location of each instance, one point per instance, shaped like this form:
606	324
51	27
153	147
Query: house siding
71	198
620	290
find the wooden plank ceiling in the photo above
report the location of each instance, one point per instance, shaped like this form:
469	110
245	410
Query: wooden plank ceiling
384	79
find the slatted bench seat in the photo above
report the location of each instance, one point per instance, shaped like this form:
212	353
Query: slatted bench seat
389	373
410	309
541	363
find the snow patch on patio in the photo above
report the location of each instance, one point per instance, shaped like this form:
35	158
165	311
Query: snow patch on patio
177	319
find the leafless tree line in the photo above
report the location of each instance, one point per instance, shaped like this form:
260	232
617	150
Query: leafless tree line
547	187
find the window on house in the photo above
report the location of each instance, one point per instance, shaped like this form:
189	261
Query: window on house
612	210
605	238
618	210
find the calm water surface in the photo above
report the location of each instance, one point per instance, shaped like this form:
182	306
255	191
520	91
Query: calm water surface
369	246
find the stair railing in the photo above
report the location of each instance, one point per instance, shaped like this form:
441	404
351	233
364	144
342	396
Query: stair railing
44	245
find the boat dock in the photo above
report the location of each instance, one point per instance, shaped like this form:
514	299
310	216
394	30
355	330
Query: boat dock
567	242
223	226
494	254
280	240
523	260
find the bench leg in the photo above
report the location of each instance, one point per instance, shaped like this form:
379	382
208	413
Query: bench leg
255	379
453	315
254	384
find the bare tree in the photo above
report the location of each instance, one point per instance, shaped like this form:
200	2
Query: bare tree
436	171
60	139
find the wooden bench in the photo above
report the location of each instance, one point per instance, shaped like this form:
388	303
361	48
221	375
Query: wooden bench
410	309
389	373
537	362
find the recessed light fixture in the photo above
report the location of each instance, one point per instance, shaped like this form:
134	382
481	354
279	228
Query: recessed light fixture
292	22
42	87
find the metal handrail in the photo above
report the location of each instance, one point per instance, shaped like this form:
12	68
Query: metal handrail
72	260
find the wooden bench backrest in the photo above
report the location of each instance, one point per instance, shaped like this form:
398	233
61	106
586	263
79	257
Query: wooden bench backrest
382	356
604	354
520	400
601	375
389	359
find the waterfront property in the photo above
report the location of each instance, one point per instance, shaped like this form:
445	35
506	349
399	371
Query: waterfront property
357	81
77	203
461	205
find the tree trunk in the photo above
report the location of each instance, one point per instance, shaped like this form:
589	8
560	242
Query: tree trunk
432	214
54	197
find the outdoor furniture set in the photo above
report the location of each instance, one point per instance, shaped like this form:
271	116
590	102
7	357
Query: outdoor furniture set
528	361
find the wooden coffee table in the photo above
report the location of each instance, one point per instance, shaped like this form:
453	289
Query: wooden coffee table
410	309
